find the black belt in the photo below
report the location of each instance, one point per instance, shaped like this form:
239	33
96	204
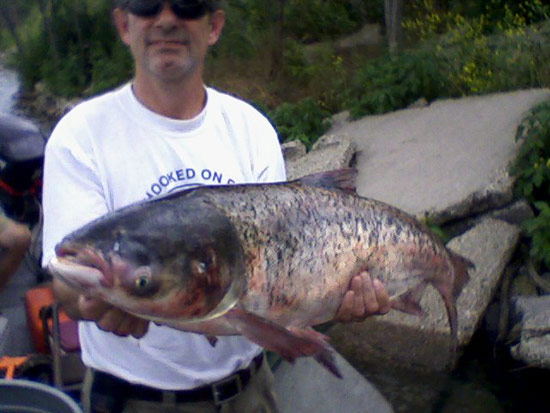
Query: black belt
218	392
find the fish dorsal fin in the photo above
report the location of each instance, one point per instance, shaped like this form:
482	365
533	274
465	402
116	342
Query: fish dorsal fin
343	179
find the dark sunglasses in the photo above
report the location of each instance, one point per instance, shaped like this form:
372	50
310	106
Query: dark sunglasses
184	9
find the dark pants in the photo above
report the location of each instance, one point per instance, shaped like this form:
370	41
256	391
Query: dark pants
256	397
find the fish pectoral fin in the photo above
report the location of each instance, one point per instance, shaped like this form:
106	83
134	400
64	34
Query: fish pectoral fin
212	340
288	343
409	302
325	358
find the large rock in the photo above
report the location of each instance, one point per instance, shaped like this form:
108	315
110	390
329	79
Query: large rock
424	343
328	153
444	161
534	345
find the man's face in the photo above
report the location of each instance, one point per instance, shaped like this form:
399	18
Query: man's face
167	47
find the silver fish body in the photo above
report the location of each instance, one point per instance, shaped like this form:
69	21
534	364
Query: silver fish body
263	260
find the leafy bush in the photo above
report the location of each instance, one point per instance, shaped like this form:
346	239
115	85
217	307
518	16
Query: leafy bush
532	167
395	81
111	67
538	229
305	120
317	72
5	41
83	38
532	173
317	20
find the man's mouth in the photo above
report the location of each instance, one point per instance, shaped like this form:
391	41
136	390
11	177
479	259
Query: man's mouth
167	42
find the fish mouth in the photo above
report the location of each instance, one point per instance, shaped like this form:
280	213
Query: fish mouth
81	267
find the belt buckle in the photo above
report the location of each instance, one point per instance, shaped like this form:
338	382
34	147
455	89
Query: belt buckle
217	390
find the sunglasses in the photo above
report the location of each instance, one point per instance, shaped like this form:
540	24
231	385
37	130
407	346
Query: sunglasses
184	9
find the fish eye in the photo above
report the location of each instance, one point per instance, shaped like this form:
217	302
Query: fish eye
142	282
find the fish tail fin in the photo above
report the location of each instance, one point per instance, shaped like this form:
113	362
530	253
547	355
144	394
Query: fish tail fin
288	343
343	179
452	314
461	268
450	293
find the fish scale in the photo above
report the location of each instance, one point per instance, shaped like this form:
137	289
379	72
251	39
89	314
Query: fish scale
325	229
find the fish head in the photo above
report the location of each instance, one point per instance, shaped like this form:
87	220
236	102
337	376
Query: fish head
160	264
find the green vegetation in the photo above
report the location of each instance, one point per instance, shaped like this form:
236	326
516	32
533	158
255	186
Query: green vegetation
302	120
457	56
532	170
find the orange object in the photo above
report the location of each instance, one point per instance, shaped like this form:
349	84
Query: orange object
37	299
10	364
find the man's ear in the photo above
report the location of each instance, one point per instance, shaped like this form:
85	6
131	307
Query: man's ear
120	18
217	21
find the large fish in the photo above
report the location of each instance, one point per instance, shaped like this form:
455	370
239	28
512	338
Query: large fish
267	261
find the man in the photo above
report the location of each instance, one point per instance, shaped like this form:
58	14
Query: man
162	132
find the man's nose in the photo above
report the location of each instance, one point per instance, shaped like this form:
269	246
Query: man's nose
166	15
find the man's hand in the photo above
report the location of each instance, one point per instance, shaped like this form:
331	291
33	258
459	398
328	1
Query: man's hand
109	318
364	298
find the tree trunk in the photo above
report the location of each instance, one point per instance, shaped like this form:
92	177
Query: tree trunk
393	13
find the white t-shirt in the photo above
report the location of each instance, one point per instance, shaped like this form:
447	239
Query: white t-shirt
112	151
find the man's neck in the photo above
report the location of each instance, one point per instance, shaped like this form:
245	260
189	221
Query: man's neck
174	100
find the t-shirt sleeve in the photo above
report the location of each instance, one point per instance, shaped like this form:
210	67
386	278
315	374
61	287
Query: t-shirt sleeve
72	193
269	165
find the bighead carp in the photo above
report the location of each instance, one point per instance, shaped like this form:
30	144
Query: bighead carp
267	261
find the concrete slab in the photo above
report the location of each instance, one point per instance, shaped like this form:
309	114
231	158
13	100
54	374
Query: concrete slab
308	387
447	160
424	342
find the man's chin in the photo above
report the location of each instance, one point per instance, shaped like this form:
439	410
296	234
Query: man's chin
172	69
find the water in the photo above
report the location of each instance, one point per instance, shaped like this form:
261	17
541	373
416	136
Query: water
486	380
9	86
